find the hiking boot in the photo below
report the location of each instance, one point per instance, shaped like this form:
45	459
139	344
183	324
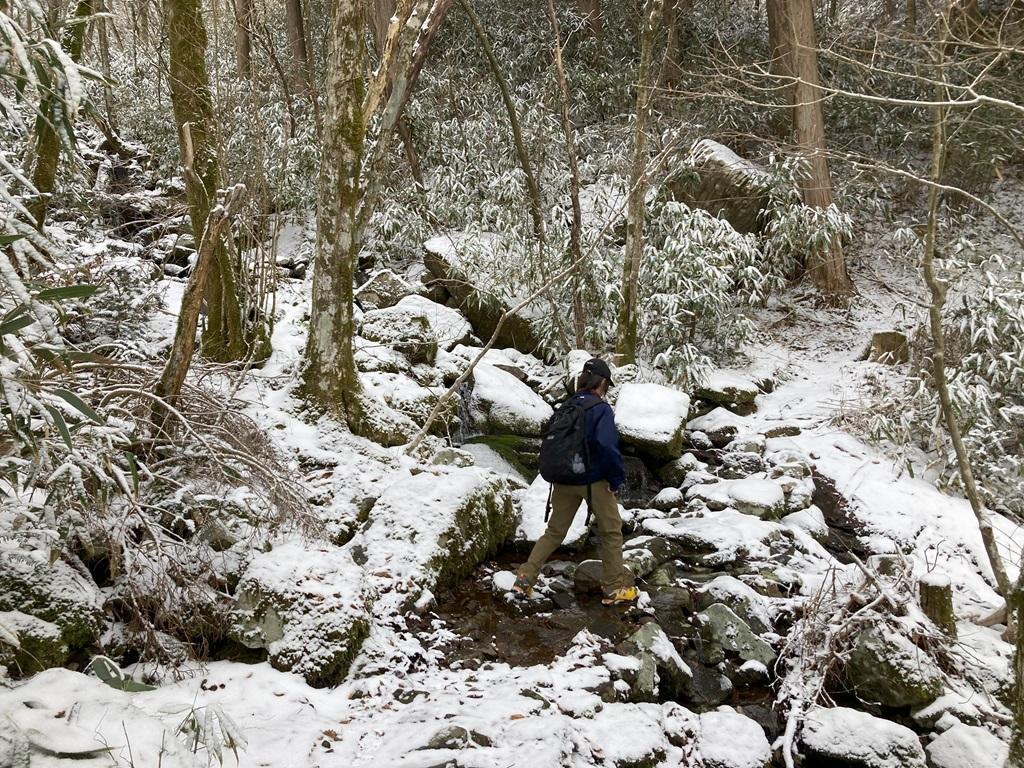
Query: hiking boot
522	587
621	595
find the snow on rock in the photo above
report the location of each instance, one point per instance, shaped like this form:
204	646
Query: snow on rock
448	326
533	502
720	538
728	631
406	332
504	404
81	719
652	417
307	606
726	388
383	289
885	667
811	520
429	529
40	644
742	599
751	496
854	738
730	740
485	456
407	397
720	425
966	746
52	592
662	673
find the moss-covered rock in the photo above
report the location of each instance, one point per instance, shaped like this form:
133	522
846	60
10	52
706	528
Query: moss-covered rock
307	606
428	530
40	644
886	668
52	592
523	453
484	310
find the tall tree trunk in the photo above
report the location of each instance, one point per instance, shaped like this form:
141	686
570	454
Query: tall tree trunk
223	338
44	174
299	50
576	225
781	64
243	38
628	320
826	266
912	14
331	380
1016	608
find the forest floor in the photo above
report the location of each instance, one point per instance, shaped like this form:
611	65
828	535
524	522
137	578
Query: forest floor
406	699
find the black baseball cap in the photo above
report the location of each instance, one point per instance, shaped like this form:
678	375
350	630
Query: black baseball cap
600	367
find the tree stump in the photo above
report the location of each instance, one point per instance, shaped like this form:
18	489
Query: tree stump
936	596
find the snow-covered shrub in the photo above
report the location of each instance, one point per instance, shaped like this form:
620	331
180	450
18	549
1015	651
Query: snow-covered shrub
794	232
985	370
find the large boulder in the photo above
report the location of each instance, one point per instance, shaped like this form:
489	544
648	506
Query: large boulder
409	399
306	605
532	504
730	740
53	592
442	257
715	178
40	644
884	667
720	425
428	530
653	418
849	737
967	746
502	403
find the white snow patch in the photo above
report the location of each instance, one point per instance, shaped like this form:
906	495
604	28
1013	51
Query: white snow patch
731	740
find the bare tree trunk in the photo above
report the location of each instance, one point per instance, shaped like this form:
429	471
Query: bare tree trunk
331	380
781	64
223	338
912	14
576	225
302	72
44	174
180	357
827	266
243	38
628	320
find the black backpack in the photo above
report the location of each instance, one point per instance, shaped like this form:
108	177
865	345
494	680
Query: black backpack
564	452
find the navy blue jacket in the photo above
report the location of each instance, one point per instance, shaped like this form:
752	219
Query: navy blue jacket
603	441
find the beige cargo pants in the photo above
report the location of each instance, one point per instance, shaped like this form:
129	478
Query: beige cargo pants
565	501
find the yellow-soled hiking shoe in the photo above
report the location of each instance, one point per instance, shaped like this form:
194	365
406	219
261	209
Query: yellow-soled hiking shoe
621	595
522	587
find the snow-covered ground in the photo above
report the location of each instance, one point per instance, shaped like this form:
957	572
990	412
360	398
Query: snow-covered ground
402	705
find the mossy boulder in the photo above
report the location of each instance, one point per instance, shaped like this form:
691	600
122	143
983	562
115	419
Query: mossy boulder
483	309
40	644
884	667
429	530
53	592
523	453
307	606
